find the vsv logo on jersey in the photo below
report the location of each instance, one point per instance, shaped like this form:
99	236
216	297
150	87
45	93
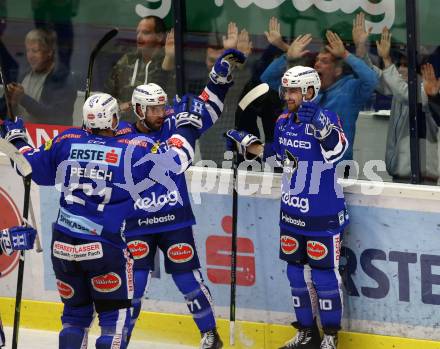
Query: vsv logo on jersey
99	154
296	201
171	198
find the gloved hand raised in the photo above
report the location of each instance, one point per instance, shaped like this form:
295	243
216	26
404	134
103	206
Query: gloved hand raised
311	113
223	66
11	130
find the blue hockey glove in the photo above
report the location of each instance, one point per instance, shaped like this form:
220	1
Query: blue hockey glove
221	71
17	238
240	140
311	113
11	130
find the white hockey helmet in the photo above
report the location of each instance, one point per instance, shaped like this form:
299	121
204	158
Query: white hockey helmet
99	110
302	77
147	95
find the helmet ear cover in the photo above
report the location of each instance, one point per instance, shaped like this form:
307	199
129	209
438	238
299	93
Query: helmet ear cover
99	111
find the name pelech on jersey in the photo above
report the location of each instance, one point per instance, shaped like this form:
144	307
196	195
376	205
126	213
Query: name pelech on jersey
97	179
311	198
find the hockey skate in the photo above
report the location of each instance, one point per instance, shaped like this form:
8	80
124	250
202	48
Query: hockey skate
330	341
305	338
211	340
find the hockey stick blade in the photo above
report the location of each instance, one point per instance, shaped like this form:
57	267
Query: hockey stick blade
106	38
12	153
252	95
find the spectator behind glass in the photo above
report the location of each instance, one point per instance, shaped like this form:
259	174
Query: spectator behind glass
341	92
269	106
44	95
431	86
393	80
212	142
57	15
10	65
150	62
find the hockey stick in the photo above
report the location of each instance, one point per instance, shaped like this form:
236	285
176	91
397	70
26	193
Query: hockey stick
106	38
251	96
26	171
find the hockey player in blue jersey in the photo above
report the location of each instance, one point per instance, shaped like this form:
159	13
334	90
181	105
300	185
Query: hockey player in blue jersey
308	142
93	267
163	218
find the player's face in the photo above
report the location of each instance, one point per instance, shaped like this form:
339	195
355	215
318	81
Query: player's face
293	97
326	68
38	57
155	116
146	37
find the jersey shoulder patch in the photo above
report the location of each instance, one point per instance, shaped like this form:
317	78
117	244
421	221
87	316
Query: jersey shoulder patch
71	133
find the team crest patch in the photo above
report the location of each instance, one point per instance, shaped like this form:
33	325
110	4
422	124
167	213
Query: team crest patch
316	250
289	244
180	253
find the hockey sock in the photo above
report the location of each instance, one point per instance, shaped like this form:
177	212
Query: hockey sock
114	327
328	287
141	280
198	298
76	322
302	293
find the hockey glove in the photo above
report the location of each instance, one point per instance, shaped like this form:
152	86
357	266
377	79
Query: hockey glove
12	130
221	71
17	238
311	113
240	140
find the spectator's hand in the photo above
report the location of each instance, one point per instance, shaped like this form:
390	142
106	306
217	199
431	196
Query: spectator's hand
335	45
244	44
125	106
231	40
16	92
274	35
360	34
169	44
297	48
430	83
384	46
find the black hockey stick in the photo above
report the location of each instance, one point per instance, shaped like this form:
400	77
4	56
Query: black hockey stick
26	171
106	38
251	96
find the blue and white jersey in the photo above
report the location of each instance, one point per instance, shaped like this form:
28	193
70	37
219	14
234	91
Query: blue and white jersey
160	208
312	202
96	177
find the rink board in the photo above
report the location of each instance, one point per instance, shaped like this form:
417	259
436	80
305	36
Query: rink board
391	280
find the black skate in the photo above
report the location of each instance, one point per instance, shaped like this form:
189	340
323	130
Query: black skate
211	340
330	341
305	338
